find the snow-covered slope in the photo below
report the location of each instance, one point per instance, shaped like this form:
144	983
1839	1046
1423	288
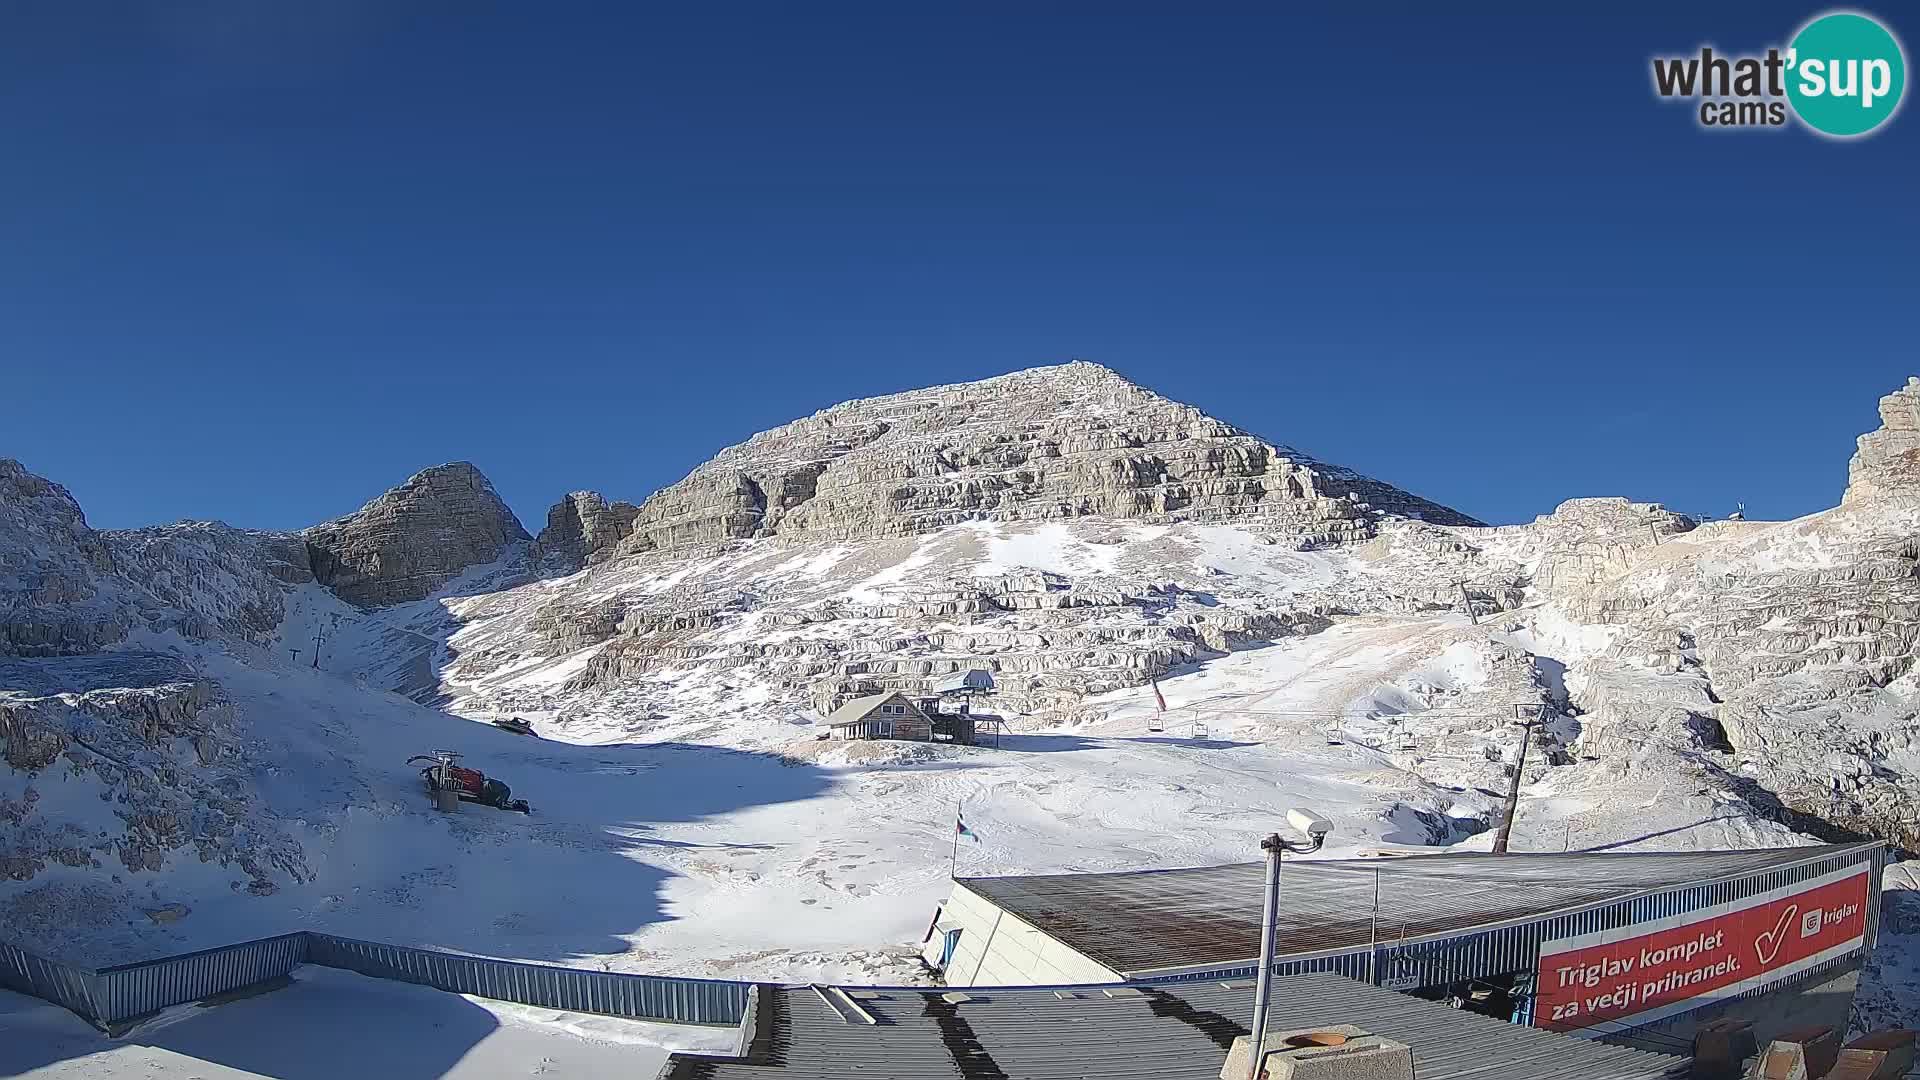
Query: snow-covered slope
205	742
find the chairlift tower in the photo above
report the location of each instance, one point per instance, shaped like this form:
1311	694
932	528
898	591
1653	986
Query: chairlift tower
1521	717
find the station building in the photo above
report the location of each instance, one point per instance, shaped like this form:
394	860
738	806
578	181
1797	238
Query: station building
1621	946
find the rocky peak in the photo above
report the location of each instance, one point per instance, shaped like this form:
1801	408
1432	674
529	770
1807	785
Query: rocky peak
33	507
1067	441
1887	464
409	542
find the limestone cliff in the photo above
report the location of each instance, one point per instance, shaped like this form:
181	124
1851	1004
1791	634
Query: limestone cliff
583	528
1887	464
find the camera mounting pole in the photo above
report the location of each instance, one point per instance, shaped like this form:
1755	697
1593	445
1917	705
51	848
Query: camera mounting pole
1316	828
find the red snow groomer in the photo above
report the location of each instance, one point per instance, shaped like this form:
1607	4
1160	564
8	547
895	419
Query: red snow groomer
444	774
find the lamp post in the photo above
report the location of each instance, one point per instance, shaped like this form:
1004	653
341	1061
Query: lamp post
1316	829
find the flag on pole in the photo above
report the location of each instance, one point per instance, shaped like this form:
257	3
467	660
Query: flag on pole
1158	698
960	829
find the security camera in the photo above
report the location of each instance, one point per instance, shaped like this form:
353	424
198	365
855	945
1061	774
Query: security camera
1310	823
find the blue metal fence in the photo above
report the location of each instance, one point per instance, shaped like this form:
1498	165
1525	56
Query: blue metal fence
130	990
116	994
645	997
109	996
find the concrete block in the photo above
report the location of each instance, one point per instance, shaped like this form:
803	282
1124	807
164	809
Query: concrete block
1339	1052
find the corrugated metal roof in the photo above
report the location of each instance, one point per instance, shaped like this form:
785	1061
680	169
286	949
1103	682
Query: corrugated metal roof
859	707
1142	921
1161	1032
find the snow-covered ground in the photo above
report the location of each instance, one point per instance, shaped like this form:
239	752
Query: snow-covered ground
823	860
330	1024
700	859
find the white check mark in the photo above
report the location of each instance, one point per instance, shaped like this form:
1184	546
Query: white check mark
1767	945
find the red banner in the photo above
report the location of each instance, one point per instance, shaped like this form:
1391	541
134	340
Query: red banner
1584	982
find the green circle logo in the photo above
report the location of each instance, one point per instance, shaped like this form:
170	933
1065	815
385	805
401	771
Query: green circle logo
1845	74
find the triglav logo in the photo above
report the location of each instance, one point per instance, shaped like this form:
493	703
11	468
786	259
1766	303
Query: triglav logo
1843	75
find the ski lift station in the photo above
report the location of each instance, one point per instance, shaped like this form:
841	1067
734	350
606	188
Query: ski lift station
1599	945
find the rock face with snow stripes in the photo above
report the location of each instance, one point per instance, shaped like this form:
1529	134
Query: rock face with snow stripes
1072	441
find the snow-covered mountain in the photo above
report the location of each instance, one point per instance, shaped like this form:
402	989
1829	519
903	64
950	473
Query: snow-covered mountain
218	719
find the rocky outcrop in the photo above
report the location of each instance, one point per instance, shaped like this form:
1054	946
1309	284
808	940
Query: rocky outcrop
167	760
1791	647
51	565
1050	639
1887	463
1585	540
66	589
1071	441
583	528
408	543
207	580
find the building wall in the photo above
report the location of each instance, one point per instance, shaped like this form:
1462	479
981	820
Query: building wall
999	949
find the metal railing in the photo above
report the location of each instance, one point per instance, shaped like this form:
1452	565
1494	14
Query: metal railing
110	996
36	976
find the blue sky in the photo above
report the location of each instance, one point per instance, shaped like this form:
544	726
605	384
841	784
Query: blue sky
259	262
